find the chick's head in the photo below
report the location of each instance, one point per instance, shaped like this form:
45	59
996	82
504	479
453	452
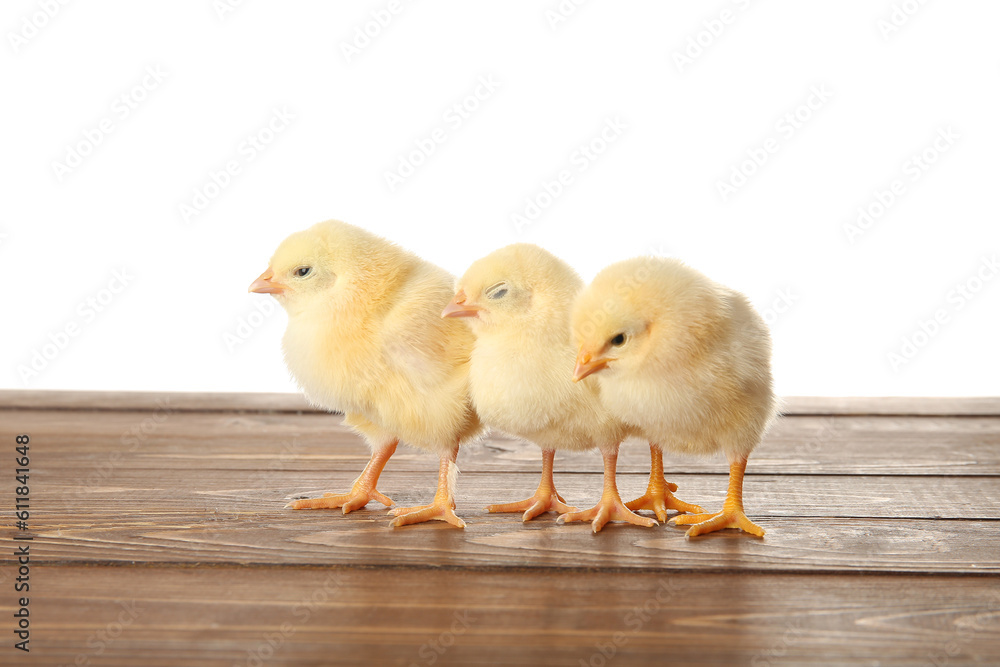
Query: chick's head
314	269
520	285
643	312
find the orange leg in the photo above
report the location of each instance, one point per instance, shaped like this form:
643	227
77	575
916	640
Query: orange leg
361	493
658	496
731	516
546	499
610	507
443	506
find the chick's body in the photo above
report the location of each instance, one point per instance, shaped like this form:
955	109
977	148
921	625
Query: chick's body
705	382
523	354
518	300
396	369
365	338
683	359
522	395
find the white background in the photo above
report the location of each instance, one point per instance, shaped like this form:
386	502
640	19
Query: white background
184	320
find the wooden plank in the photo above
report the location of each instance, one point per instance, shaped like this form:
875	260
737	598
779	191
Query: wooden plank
315	441
293	402
197	525
869	519
153	401
944	406
126	616
251	492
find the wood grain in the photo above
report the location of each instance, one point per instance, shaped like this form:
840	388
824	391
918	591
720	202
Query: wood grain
310	616
883	544
799	445
243	492
202	535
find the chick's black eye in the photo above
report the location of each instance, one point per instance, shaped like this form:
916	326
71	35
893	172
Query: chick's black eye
303	271
499	294
618	340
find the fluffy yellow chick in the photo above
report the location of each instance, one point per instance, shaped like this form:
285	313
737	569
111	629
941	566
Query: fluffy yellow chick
685	360
518	300
365	338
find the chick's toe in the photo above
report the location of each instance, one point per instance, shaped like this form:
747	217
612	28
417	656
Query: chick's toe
443	506
659	495
354	499
659	499
731	516
709	523
545	499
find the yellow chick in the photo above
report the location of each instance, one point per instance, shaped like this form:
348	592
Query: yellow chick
365	338
685	360
517	300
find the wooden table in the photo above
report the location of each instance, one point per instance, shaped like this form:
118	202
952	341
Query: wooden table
160	538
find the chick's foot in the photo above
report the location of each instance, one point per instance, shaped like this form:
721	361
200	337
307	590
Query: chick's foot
731	516
659	500
443	507
361	493
546	498
355	499
610	507
659	495
709	523
543	501
439	511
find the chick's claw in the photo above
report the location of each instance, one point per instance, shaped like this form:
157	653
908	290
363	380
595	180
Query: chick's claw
659	492
659	500
709	523
540	503
546	498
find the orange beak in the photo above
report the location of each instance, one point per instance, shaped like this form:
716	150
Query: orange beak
458	307
265	284
587	365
